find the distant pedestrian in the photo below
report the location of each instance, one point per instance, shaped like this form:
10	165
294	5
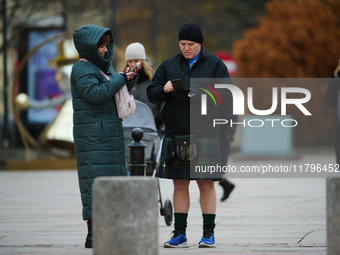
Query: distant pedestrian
135	53
97	130
226	185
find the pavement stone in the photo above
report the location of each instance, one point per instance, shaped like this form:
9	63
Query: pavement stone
40	213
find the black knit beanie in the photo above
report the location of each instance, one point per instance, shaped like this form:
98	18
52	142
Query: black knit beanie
192	32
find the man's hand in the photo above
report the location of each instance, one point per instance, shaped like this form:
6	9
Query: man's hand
168	87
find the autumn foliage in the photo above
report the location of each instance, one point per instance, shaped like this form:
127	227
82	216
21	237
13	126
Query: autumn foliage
296	39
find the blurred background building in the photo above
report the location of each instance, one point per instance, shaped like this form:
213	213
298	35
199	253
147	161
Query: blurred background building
264	39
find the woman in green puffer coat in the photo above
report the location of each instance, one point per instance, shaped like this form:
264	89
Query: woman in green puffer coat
97	130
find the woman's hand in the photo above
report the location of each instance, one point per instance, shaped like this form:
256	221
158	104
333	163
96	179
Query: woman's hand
130	75
168	87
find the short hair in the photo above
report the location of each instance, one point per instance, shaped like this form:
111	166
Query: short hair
105	40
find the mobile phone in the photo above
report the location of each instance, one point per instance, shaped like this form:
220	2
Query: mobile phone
134	67
177	84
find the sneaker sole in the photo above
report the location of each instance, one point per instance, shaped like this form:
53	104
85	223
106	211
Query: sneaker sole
182	245
204	245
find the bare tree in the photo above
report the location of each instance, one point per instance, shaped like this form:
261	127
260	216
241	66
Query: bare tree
25	13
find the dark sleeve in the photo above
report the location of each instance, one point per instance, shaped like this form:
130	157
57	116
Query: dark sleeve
131	83
226	133
221	71
96	91
155	91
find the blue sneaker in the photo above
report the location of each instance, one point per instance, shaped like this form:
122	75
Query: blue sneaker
178	240
208	239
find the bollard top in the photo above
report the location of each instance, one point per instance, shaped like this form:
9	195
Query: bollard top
137	134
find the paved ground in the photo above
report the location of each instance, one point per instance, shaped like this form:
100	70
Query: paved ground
40	213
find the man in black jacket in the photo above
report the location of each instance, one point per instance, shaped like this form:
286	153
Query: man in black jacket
191	62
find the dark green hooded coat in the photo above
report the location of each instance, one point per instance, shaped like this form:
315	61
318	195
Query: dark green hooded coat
97	130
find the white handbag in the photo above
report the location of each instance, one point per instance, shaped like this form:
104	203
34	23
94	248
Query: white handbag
125	102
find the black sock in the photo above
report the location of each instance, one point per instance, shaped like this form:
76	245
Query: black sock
181	222
208	221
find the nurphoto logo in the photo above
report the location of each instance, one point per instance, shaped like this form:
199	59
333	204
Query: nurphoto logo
239	103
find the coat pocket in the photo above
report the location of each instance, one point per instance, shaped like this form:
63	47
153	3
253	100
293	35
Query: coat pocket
95	130
105	131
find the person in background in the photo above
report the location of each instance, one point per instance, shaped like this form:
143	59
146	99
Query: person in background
135	53
97	130
227	186
332	100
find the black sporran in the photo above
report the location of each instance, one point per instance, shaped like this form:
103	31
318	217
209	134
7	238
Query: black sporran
186	147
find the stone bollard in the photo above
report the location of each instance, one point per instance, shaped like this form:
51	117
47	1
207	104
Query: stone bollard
333	216
137	153
124	215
